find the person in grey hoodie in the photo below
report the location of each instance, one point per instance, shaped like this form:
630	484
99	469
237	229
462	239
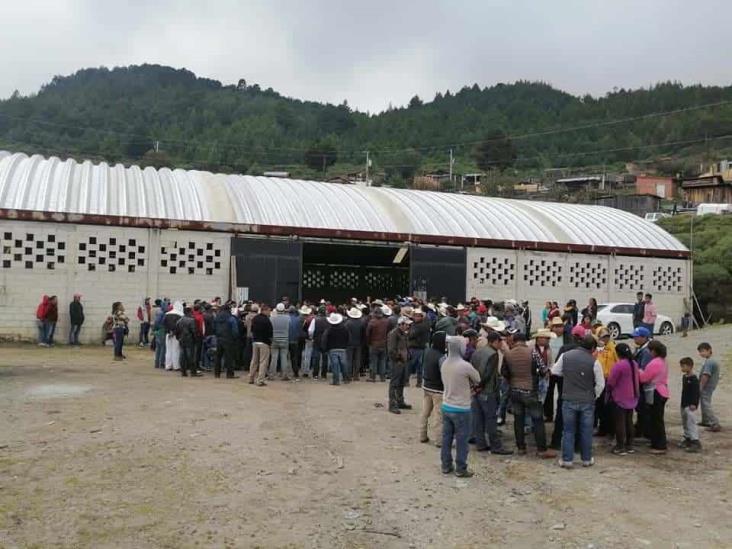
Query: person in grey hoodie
458	377
280	343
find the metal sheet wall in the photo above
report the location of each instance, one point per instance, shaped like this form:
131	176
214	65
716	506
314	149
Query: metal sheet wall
438	272
269	268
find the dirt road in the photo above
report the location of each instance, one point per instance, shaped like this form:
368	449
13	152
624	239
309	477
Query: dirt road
95	453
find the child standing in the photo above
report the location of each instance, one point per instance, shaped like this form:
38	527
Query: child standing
689	404
708	383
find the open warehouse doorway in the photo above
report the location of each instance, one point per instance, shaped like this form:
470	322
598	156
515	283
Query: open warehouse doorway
338	272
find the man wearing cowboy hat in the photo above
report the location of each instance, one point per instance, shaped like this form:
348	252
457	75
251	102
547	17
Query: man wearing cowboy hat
543	359
555	344
448	322
335	342
319	356
419	337
280	349
356	333
398	351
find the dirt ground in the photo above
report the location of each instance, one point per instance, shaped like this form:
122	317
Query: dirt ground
95	453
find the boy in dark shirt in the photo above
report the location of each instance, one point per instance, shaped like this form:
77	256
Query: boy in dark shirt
689	404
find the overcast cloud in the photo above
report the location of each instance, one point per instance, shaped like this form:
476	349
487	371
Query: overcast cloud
378	52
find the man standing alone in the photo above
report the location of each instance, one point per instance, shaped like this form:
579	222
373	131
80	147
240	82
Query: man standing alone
398	356
280	343
419	336
457	377
76	316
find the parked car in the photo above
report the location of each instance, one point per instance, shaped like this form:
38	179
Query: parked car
618	318
655	217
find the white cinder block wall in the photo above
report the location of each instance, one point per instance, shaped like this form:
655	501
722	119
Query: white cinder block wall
104	264
542	276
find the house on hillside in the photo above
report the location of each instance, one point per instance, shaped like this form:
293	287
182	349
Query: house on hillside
654	185
713	186
638	204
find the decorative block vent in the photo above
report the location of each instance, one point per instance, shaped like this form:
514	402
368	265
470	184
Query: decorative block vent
193	258
111	254
588	274
629	277
543	273
493	271
667	278
313	278
31	250
344	279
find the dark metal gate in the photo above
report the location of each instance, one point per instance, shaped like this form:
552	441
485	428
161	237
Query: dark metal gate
270	269
339	283
438	272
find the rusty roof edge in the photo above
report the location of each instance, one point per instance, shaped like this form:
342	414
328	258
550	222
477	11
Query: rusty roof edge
278	230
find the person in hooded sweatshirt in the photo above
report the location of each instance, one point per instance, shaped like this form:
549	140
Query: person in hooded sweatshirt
432	388
172	347
186	335
458	377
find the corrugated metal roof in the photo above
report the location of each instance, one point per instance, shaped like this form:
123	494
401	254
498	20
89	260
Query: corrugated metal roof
51	185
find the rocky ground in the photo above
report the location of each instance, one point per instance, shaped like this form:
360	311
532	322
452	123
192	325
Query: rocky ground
95	453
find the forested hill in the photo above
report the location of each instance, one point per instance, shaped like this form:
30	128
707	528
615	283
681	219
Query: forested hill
123	114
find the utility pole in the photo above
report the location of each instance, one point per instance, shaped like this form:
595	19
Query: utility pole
157	146
452	161
368	164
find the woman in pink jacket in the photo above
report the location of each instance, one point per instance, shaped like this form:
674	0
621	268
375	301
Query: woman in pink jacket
655	390
623	391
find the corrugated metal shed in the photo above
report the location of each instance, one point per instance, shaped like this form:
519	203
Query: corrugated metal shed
51	185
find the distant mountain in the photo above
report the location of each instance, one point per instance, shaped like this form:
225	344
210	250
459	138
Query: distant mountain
126	114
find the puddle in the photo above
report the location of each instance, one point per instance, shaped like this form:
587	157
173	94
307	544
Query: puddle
57	390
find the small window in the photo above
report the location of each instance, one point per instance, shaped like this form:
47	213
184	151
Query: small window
51	265
172	270
51	238
8	236
61	246
141	249
60	259
29	237
102	247
217	253
113	241
82	246
39	259
6	263
130	268
191	270
111	267
132	242
39	244
92	240
141	262
28	264
92	267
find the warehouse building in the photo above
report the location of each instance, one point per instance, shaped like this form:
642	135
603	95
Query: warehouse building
115	233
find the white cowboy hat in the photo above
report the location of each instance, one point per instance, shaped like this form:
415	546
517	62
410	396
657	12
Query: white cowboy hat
378	302
335	318
494	324
407	311
404	320
545	332
417	311
386	310
443	305
353	312
443	311
280	308
460	307
431	306
305	310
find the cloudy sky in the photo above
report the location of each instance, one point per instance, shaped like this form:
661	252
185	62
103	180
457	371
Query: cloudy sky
377	52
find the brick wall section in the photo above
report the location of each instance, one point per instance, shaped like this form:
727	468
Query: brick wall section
137	272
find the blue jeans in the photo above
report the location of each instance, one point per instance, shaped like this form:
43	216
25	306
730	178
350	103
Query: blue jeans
338	363
484	421
585	413
377	363
455	425
41	331
503	399
543	389
160	349
50	330
416	357
144	331
119	340
74	334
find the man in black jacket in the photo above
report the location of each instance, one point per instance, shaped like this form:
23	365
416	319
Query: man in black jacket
433	388
76	314
261	342
226	329
186	334
319	356
398	351
356	332
419	337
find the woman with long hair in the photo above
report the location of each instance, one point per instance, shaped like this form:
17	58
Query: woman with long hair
655	390
623	391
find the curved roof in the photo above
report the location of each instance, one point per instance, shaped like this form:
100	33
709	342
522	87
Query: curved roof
51	185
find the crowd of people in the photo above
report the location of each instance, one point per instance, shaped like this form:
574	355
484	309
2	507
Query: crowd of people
475	363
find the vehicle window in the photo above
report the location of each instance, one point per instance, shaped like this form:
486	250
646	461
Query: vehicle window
601	307
623	309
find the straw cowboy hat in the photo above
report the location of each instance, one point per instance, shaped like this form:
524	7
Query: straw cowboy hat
335	318
386	310
545	332
305	310
556	321
417	311
354	312
492	323
407	311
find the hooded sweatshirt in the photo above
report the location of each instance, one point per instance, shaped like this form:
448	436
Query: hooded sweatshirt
457	377
172	317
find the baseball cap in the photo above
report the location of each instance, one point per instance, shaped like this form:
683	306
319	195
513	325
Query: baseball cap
578	331
641	331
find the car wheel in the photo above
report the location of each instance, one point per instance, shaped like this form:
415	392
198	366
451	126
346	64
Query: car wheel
614	329
667	328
